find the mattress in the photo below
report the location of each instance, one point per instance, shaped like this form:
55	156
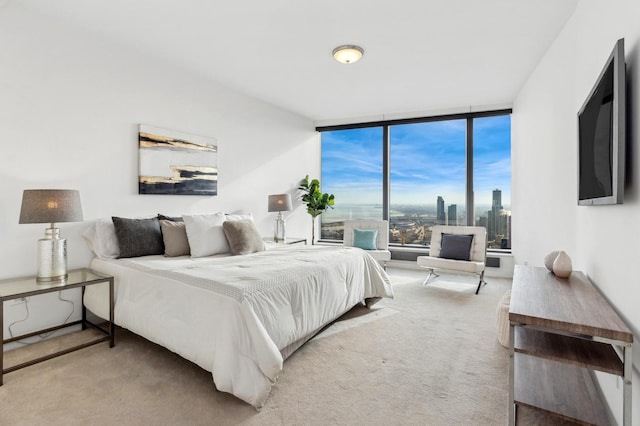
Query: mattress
238	317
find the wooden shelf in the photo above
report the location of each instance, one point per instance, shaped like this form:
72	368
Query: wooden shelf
565	390
572	350
563	329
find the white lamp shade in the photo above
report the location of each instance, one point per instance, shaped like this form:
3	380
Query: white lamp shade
279	202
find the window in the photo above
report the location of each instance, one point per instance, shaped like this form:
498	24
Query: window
492	178
352	171
427	179
453	170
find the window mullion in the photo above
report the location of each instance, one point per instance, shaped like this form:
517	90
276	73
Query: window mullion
385	172
469	156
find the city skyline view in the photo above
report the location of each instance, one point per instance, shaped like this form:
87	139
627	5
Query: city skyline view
427	167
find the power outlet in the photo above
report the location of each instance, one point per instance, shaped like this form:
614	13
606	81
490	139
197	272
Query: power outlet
19	301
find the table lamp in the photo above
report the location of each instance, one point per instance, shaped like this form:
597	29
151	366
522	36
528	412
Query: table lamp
51	206
279	203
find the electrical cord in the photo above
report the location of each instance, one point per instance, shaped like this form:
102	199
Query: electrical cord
43	335
26	306
73	309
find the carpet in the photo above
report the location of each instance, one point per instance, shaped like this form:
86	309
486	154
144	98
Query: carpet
430	356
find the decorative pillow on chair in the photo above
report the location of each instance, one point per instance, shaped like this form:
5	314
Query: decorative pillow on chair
456	246
174	235
243	236
365	238
138	237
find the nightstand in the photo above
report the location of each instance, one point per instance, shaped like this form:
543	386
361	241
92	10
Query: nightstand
17	288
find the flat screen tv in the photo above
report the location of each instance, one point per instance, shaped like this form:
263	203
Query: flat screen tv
601	135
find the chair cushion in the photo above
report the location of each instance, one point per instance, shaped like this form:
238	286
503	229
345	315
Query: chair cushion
454	265
456	246
365	238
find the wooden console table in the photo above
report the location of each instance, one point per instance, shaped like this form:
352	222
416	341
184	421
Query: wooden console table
561	329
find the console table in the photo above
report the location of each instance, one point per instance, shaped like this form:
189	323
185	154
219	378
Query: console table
561	330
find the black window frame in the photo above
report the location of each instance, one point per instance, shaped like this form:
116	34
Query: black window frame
386	124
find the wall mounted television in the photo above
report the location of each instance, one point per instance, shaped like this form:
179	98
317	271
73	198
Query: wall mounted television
601	135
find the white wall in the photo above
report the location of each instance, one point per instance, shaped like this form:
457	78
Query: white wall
601	240
69	108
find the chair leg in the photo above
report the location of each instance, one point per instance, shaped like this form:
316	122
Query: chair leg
481	281
431	275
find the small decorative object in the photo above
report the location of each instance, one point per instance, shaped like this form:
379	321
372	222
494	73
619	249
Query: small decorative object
403	237
562	265
279	203
316	201
548	259
50	206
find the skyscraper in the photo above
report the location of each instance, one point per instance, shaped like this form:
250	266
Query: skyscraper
441	217
496	219
497	200
452	215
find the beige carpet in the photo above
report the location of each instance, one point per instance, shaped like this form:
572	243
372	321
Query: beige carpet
428	357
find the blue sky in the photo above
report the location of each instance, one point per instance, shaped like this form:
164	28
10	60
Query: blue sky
426	160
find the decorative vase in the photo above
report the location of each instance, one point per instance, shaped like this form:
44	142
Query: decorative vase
562	265
549	259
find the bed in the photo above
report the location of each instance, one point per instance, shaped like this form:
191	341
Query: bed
238	317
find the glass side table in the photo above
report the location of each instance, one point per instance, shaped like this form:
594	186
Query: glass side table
287	241
18	288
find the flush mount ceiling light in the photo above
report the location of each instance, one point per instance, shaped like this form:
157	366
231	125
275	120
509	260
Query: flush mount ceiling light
348	53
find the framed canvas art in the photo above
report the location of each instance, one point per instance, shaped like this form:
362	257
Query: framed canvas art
178	163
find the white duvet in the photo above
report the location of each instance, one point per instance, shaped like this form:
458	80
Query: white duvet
237	315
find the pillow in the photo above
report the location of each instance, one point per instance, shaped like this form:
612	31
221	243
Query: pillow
174	235
248	216
138	237
365	238
205	234
456	246
102	240
171	218
243	236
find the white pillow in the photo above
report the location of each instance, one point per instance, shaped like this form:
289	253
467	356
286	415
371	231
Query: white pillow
102	240
205	234
248	216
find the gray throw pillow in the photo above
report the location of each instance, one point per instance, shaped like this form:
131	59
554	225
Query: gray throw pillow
138	237
456	246
243	236
171	218
174	235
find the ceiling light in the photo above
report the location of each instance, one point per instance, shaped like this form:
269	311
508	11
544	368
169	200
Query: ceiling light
348	53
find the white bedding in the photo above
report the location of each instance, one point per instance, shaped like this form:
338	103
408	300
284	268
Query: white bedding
237	315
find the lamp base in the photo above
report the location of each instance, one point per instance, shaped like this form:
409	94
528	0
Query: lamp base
52	257
278	229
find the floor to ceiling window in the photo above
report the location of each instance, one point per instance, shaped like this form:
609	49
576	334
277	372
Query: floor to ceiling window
453	170
427	179
352	171
492	178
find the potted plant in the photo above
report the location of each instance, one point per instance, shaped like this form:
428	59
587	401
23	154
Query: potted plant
316	201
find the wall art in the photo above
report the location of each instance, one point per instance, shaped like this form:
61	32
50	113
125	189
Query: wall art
177	163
